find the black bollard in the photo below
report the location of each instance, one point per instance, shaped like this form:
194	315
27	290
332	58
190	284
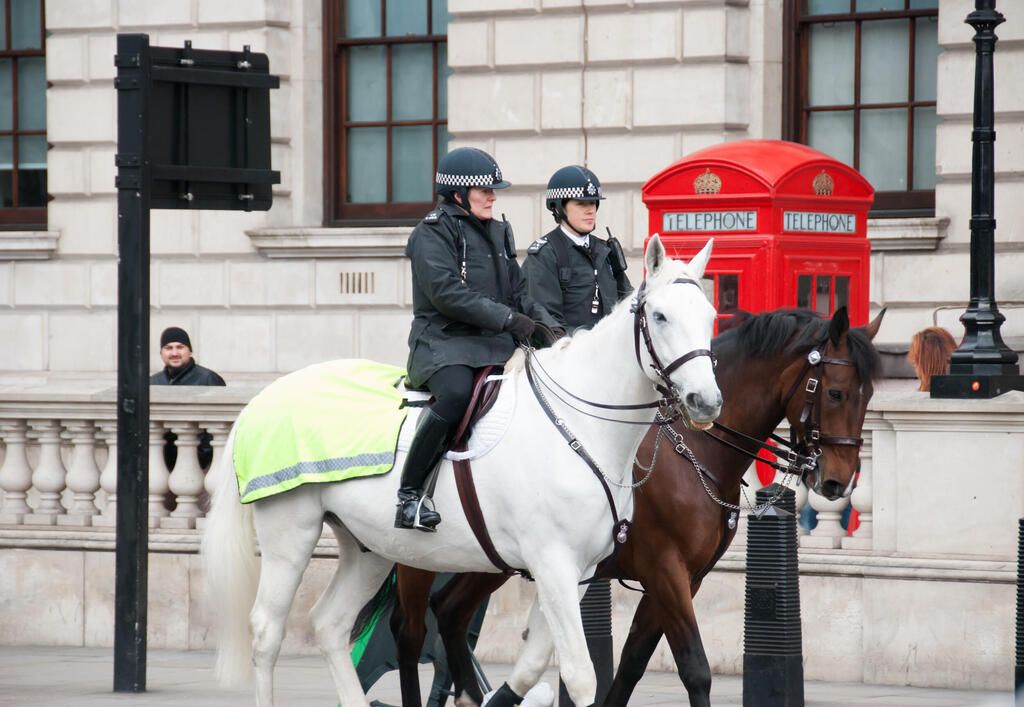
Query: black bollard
773	673
1018	679
596	610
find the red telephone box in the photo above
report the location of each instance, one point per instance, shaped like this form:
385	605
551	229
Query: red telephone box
789	224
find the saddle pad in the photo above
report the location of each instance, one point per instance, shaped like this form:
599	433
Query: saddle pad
487	432
326	422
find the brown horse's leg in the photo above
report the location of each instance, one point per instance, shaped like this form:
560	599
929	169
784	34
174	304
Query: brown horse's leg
671	595
454	606
409	629
643	638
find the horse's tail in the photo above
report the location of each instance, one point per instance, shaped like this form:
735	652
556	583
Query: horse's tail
383	600
231	570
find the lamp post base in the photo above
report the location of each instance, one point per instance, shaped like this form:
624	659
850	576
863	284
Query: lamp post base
965	385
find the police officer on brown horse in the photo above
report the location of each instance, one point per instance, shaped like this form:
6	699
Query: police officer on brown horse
470	309
575	275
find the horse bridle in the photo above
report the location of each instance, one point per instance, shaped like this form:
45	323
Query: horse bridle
810	416
640	327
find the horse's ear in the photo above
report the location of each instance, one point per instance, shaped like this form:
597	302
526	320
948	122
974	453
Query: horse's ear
839	325
700	261
873	326
654	256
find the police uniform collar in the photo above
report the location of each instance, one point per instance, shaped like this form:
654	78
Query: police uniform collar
583	241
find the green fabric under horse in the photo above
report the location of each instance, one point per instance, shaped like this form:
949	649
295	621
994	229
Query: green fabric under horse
326	422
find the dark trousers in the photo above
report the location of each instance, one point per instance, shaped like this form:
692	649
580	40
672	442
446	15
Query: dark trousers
452	387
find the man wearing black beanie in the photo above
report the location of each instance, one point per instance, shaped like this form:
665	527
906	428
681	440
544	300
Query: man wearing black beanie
179	366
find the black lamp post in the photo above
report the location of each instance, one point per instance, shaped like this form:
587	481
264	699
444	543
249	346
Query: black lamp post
983	366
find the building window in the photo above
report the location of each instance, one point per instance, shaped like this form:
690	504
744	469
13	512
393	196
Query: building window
860	86
386	121
22	115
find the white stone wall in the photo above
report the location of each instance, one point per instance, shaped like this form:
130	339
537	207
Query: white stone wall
624	86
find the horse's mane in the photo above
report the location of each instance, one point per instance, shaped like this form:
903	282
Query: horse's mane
796	331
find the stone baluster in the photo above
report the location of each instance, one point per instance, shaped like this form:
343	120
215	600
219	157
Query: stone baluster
49	475
158	474
83	478
862	501
108	478
15	474
186	480
829	532
219	432
800	499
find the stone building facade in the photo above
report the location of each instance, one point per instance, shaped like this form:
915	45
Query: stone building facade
624	86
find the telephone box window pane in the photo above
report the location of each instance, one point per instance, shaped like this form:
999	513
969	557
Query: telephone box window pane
362	18
32	93
842	291
6	94
404	17
26	25
728	293
884	61
883	148
367	82
822	294
925	124
366	166
830	64
707	283
412	69
412	156
826	7
803	291
926	57
832	133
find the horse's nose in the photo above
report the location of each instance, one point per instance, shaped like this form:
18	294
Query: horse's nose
831	490
706	408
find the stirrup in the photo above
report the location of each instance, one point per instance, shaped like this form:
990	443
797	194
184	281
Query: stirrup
417	524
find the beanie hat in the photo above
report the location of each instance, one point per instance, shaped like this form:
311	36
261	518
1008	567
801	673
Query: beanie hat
174	334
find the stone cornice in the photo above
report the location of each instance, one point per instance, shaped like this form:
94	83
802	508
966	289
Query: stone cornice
887	234
28	245
346	242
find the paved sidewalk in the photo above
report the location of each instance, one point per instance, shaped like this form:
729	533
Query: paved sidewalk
83	677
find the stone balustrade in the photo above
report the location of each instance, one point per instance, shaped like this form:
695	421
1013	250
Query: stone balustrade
60	465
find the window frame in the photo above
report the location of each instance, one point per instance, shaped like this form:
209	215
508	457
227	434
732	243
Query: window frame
22	218
337	212
887	204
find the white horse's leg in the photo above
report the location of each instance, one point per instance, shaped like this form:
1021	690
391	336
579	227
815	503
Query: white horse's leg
288	527
558	597
535	655
355	582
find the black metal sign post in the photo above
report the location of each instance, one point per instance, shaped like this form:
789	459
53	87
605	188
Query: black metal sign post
983	366
193	132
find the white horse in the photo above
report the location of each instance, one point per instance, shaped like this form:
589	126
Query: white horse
545	510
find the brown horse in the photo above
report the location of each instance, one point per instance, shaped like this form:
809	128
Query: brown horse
685	514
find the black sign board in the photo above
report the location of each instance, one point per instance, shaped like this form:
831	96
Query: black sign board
193	132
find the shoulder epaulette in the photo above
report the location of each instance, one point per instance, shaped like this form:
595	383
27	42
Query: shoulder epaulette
537	245
433	217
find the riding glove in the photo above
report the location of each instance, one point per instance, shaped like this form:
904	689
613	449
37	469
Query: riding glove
520	326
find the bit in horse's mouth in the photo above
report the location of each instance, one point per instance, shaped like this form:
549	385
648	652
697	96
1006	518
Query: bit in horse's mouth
693	424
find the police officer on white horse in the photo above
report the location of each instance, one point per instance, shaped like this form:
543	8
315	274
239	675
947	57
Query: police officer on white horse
575	275
470	309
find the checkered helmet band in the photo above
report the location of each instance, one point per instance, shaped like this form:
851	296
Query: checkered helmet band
468	180
588	192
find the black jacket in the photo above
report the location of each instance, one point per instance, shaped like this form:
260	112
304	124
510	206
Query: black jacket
459	319
191	374
570	300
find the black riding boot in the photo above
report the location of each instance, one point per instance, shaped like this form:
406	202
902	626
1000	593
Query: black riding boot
426	449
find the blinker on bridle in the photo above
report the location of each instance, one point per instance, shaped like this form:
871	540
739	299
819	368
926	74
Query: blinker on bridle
640	327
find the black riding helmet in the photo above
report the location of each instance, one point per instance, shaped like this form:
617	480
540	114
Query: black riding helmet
572	182
466	167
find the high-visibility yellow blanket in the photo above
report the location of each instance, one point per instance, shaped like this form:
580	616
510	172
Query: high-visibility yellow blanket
327	422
